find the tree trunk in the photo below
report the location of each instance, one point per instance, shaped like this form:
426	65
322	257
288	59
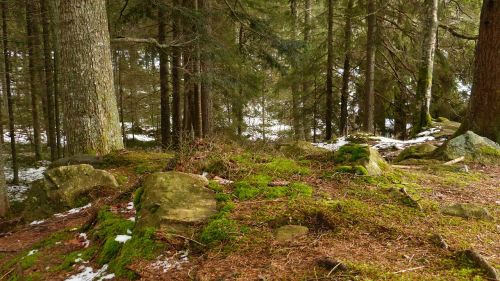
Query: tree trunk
344	98
57	97
197	109
91	114
206	65
369	98
484	106
4	200
329	75
298	131
424	83
306	126
164	95
49	82
176	76
31	32
8	91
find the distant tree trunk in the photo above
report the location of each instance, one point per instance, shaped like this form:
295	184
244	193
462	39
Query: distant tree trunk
344	98
4	200
369	98
298	131
31	32
55	45
424	83
90	110
49	82
206	65
484	106
119	77
306	126
176	76
8	91
329	75
238	104
164	89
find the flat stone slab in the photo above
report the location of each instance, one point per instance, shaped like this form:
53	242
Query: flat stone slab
290	232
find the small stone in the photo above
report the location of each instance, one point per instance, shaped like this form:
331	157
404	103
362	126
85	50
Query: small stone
290	232
465	210
439	241
279	183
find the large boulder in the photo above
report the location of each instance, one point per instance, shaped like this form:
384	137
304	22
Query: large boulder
416	151
76	160
72	181
473	147
66	187
356	155
175	202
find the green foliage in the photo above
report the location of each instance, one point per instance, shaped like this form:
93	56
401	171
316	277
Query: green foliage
357	170
244	190
350	153
137	198
285	166
69	259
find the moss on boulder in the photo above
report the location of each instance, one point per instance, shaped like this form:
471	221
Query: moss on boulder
355	155
175	201
473	147
416	152
77	159
467	211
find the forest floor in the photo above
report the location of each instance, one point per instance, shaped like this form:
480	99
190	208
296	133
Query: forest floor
360	227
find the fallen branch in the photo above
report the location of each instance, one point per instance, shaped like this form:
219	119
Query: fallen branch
406	167
453	32
454	161
409	269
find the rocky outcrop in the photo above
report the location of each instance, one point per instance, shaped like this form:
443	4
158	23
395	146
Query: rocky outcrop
290	232
174	202
302	148
356	155
471	146
467	211
76	160
416	152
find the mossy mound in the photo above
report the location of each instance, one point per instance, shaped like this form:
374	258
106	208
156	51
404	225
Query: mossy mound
175	201
354	155
471	146
447	127
416	152
302	149
467	211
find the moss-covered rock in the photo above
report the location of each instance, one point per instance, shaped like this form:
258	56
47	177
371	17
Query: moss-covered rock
77	159
361	155
175	201
303	149
290	232
416	151
72	181
473	147
467	211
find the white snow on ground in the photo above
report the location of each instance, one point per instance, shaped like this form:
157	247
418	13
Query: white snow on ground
130	206
167	263
140	137
27	175
332	146
86	241
429	132
123	238
271	128
32	252
73	211
37	222
16	192
88	274
384	143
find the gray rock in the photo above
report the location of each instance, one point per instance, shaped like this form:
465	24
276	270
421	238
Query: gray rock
175	201
473	147
416	151
465	210
77	159
290	232
353	155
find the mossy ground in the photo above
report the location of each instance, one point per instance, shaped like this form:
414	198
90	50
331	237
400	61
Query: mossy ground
364	221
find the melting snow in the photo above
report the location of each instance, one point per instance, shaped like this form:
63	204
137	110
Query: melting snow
332	146
173	262
32	252
88	274
73	211
25	175
37	222
384	143
86	241
140	137
123	238
16	193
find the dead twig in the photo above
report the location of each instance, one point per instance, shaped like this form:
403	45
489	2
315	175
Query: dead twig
454	161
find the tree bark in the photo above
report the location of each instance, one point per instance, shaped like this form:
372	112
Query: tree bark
369	98
484	106
424	83
206	66
306	125
91	115
298	131
8	91
329	75
164	89
176	76
197	109
4	200
344	97
31	32
57	97
49	82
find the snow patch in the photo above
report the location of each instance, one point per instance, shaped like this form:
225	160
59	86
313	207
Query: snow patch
32	252
88	274
384	143
73	211
332	146
37	222
174	262
86	241
140	137
123	238
16	193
